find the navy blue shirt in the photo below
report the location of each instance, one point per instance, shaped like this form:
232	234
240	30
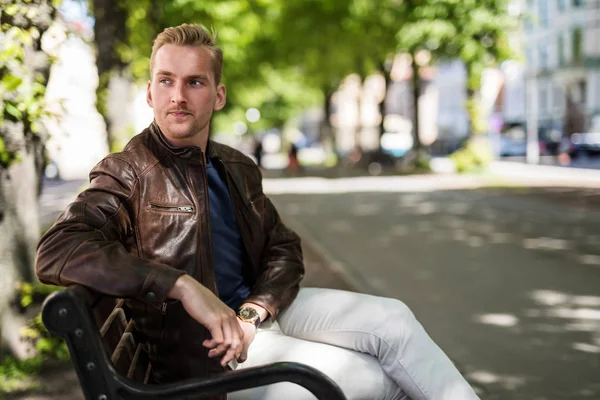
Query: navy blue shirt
227	245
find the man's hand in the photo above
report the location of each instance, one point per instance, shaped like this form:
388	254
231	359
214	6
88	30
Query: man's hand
249	333
220	320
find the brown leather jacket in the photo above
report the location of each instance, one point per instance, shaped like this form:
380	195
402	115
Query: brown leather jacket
144	221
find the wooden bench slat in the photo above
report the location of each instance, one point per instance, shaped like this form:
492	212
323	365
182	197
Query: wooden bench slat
113	329
138	370
124	353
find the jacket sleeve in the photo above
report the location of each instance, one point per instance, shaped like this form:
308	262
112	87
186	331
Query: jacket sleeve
87	244
281	264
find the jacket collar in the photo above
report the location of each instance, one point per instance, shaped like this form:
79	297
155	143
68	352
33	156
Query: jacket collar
189	153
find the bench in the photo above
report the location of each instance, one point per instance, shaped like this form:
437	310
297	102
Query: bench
111	363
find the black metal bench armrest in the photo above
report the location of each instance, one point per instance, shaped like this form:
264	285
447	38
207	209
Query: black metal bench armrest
68	314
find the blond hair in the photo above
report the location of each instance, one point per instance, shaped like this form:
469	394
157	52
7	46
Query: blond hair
190	35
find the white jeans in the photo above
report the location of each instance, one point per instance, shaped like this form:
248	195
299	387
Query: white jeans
372	347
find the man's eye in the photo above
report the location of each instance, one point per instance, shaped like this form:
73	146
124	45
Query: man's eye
165	80
196	82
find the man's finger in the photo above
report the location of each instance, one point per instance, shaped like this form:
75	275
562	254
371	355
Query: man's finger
229	355
210	343
227	334
242	357
216	334
218	351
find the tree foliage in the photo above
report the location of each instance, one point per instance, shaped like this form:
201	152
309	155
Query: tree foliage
282	56
474	31
23	74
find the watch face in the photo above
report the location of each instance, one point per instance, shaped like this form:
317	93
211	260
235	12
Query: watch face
248	313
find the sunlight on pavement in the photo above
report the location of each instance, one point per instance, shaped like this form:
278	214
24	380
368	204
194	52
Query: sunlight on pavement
550	297
585	347
575	313
506	320
546	243
582	311
365	210
589	259
506	381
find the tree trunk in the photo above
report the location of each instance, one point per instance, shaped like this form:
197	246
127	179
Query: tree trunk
476	123
382	110
19	224
326	133
109	32
416	92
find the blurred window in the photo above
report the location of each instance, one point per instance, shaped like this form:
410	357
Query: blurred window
544	17
562	5
543	52
558	97
529	57
543	95
577	3
529	17
561	49
577	44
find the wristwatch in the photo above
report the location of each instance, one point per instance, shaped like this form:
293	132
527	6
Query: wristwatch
249	314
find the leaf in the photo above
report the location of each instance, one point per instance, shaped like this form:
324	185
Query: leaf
12	10
14	111
11	82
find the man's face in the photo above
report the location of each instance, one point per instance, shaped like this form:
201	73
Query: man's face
183	93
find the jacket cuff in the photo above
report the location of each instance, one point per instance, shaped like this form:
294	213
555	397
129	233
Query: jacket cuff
158	283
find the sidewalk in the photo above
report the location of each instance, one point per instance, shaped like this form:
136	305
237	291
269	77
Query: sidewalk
542	175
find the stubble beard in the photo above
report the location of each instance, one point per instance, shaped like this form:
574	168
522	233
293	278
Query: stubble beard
181	130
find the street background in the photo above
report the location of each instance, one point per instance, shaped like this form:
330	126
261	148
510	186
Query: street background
442	152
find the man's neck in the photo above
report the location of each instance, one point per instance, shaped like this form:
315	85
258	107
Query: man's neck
188	142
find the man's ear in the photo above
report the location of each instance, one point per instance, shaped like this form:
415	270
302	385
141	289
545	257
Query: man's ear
221	97
149	94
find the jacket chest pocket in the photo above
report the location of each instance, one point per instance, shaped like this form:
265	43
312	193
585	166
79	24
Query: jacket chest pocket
170	208
168	233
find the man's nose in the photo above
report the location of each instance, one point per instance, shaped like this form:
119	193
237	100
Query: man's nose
178	94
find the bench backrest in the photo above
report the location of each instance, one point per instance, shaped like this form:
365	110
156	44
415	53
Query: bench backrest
119	336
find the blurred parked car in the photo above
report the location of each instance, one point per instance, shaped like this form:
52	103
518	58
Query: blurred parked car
586	143
512	147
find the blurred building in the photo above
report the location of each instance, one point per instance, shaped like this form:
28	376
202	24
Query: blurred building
562	49
451	81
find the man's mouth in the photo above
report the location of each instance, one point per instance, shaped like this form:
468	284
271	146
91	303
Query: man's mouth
179	114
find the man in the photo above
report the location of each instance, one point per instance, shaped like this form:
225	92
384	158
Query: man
179	225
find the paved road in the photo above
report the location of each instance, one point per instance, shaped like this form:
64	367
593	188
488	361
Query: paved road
506	283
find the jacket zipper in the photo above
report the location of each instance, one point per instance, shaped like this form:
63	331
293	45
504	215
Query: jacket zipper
186	209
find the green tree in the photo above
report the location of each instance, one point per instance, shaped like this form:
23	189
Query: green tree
472	31
24	72
124	52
